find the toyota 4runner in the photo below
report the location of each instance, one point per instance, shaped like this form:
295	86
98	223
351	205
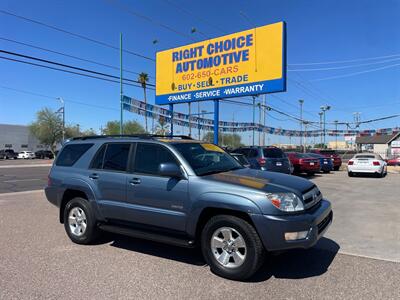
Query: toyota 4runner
186	193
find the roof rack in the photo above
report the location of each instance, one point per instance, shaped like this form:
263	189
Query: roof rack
140	136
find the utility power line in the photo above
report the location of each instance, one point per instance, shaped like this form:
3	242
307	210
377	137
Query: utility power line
69	55
345	61
188	12
55	98
75	35
69	66
344	67
125	8
67	71
356	73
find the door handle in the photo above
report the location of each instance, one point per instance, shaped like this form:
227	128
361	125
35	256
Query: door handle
94	176
134	181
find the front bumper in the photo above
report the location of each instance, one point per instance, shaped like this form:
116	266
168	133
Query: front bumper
272	229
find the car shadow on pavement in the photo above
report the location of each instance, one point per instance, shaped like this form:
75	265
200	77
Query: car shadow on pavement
299	263
292	264
191	256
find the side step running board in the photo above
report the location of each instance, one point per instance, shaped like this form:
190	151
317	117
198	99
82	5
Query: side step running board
152	236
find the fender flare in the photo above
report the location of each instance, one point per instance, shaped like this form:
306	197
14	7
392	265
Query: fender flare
218	200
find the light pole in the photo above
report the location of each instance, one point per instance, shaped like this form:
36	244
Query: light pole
63	116
325	108
121	121
336	133
320	126
301	101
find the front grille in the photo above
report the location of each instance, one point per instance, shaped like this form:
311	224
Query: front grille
312	197
324	223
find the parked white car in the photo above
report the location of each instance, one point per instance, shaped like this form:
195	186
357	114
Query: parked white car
26	155
367	163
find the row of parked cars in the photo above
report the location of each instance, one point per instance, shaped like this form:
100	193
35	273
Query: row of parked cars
11	154
274	159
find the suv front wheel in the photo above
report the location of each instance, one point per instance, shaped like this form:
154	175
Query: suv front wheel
231	247
79	221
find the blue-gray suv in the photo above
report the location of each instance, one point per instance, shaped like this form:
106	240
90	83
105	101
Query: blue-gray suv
187	193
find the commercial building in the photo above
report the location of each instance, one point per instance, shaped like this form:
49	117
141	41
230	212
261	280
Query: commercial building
18	138
385	145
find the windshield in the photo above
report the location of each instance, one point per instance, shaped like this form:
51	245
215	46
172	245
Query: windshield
207	159
303	155
314	155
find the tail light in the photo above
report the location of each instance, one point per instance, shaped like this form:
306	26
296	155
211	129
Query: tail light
262	161
376	163
350	162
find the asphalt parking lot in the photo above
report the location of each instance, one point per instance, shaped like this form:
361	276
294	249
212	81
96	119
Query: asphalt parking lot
358	259
23	175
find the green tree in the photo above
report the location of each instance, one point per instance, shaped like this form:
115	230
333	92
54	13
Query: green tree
143	79
320	146
72	131
226	140
47	128
162	126
130	127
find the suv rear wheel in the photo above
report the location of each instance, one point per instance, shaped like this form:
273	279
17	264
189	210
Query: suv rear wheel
79	221
231	247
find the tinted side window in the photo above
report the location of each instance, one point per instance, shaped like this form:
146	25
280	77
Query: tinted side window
252	153
148	157
97	162
116	157
71	153
273	153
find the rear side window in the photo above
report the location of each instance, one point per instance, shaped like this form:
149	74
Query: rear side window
97	162
148	158
273	153
116	157
71	153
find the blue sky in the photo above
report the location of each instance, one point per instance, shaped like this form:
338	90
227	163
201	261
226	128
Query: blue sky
317	31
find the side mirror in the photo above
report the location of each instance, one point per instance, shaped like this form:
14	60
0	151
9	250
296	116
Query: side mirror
169	170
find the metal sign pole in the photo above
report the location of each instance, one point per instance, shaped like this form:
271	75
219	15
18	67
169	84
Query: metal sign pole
216	121
171	110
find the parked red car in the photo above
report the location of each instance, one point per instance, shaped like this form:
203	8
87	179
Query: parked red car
394	161
303	163
337	161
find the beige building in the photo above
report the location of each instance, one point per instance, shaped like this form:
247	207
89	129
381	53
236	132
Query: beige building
339	145
385	145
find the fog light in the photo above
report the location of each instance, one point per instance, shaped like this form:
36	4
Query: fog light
292	236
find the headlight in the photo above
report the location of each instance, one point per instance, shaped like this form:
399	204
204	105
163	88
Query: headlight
286	201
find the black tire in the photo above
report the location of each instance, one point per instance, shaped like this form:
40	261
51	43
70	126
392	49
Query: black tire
350	174
255	252
326	171
310	173
91	232
336	168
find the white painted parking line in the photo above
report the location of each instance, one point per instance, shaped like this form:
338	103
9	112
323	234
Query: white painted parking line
21	193
369	256
24	166
22	180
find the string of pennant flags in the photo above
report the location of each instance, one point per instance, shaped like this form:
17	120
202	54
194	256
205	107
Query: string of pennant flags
197	122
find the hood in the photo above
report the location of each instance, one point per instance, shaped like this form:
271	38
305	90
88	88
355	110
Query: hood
263	180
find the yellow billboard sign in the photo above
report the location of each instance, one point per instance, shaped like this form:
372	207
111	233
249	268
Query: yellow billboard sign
249	62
